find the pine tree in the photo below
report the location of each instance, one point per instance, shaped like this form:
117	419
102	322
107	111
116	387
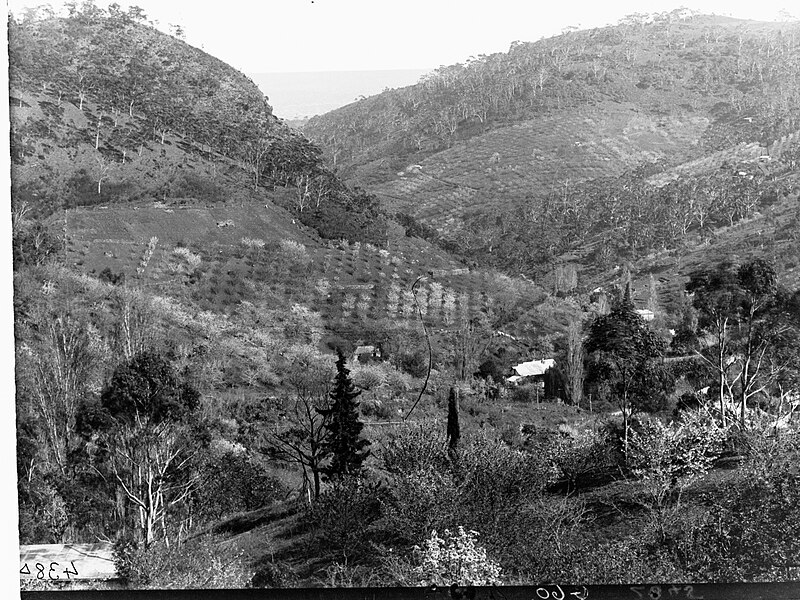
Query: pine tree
344	444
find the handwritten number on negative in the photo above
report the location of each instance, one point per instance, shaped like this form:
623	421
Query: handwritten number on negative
655	592
52	574
690	593
74	571
582	595
52	570
559	594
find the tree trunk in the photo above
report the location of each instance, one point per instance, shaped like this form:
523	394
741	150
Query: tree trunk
721	367
453	426
316	483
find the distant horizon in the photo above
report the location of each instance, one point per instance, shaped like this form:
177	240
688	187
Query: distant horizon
296	95
251	73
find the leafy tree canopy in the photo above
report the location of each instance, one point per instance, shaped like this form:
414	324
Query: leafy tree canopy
147	390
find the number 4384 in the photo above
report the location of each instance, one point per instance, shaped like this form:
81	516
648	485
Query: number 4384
53	572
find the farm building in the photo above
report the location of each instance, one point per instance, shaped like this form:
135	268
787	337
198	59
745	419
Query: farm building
645	313
365	354
533	370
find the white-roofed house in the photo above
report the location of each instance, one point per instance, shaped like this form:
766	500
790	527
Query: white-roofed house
531	369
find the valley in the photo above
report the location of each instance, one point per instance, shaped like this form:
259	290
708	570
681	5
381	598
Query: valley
543	305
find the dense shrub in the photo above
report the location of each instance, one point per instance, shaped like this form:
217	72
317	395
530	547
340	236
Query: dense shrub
670	456
200	563
454	559
343	514
754	535
234	482
372	406
587	459
35	244
368	377
413	362
191	185
527	393
480	486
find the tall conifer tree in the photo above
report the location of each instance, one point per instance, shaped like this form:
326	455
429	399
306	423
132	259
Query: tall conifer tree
344	443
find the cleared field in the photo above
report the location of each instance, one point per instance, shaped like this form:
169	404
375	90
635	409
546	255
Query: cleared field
116	236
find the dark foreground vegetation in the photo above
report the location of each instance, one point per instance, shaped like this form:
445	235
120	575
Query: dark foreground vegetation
692	479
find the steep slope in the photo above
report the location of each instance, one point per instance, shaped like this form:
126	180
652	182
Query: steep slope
140	158
589	148
105	108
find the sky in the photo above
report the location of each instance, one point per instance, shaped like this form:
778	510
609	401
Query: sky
352	35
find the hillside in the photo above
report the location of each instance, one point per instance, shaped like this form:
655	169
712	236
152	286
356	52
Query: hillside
249	364
107	109
610	144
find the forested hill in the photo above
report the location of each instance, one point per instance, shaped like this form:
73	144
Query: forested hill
661	63
609	144
105	108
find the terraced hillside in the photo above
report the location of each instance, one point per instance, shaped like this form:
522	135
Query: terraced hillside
538	156
534	157
220	256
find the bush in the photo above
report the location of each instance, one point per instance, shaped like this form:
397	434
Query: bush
590	458
414	363
527	394
234	482
667	458
368	377
411	448
108	276
495	481
480	486
342	516
396	380
203	563
199	187
754	534
541	541
454	559
375	407
417	502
